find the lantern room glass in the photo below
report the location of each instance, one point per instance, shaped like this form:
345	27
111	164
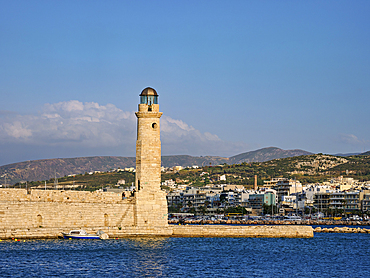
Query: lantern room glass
149	100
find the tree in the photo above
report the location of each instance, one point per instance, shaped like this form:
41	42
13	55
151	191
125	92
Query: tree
268	209
203	209
238	209
173	209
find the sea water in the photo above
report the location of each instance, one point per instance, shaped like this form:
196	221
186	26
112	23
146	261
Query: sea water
325	255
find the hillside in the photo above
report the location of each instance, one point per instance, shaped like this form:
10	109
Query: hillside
365	153
307	169
265	154
187	160
46	169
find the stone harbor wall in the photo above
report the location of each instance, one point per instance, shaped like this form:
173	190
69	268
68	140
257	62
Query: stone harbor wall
67	196
47	213
20	209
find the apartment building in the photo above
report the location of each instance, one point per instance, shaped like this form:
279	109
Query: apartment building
287	187
322	200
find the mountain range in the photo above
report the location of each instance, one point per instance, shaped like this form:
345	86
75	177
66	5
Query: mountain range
46	169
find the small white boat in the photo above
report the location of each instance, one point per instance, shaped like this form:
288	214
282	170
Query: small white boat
292	218
82	234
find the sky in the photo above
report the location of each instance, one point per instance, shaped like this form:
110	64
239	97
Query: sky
232	76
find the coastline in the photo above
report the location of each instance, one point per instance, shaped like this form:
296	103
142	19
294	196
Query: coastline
308	222
231	229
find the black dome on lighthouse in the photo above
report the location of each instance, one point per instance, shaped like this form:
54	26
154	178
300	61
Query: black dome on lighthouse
148	92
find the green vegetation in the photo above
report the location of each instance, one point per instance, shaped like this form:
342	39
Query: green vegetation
238	209
269	209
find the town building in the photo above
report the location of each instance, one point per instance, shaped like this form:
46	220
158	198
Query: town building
287	187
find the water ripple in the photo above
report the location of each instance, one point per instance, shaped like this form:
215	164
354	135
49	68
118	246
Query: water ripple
325	255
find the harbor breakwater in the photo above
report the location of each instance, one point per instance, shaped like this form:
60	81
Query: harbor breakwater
339	226
242	231
171	231
308	222
357	230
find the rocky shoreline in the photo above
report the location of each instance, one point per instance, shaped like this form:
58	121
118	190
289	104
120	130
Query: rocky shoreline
342	230
336	229
270	222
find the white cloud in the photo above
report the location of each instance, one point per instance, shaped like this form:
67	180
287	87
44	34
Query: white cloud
357	144
73	124
69	106
169	123
17	130
352	139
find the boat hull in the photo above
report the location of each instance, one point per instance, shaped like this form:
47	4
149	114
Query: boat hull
81	237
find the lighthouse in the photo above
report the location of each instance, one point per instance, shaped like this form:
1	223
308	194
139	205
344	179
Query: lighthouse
148	142
151	204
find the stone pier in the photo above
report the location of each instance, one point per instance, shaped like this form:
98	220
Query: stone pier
242	231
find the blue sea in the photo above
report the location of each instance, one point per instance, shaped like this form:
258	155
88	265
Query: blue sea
325	255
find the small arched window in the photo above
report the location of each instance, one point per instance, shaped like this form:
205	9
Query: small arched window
39	220
106	220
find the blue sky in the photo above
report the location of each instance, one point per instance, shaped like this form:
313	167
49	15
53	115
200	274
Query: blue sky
233	76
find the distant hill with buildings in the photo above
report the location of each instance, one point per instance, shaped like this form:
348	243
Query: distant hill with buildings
313	168
46	169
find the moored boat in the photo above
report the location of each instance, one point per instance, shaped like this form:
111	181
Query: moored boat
82	234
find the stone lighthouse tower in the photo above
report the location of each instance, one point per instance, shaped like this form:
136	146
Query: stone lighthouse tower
151	204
